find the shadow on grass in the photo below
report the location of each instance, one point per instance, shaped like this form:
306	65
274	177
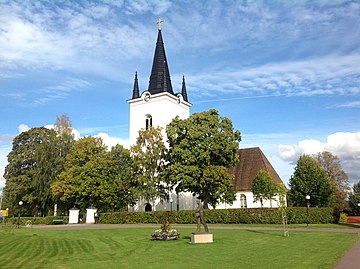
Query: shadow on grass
266	232
350	225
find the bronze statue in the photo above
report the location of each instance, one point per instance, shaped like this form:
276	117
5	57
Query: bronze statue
200	217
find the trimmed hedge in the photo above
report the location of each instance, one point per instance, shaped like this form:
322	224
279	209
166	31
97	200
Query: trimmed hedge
36	220
295	215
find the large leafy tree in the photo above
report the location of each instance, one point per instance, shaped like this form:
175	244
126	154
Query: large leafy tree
27	162
50	159
339	180
354	199
95	177
201	149
264	187
148	154
310	179
69	187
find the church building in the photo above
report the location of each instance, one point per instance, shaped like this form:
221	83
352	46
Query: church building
157	106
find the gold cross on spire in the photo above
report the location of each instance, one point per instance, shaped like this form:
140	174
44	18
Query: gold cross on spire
159	23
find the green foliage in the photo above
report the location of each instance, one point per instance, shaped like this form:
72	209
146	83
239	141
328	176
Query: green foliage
48	220
35	161
354	200
225	216
264	187
338	178
148	154
95	177
33	164
343	218
201	149
310	179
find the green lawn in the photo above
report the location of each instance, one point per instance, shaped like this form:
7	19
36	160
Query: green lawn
132	248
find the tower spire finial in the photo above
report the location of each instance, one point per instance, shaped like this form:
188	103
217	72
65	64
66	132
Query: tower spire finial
159	21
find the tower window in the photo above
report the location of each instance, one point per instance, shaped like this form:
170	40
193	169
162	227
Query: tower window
148	122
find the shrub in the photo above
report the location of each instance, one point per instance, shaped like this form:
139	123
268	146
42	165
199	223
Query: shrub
242	215
343	218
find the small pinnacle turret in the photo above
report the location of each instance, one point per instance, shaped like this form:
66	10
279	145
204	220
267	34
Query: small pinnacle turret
136	93
183	90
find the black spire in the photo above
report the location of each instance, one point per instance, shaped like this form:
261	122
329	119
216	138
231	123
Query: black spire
160	76
183	90
136	93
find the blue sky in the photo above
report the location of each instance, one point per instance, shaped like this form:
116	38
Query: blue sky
286	73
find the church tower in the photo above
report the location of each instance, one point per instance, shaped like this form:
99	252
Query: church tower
157	105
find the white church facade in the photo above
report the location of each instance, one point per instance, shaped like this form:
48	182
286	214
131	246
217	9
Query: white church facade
157	106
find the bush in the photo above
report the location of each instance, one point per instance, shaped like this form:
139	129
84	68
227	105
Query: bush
35	220
295	215
343	218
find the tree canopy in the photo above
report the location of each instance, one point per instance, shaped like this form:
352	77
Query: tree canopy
338	178
354	199
310	179
201	149
148	154
33	164
95	177
264	187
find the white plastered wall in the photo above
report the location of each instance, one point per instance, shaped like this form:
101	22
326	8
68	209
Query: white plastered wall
249	202
162	108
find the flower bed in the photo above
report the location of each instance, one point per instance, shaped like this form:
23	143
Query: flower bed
165	232
172	234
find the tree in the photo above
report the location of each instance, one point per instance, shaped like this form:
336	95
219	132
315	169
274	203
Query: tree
310	179
339	180
63	125
201	149
25	165
354	199
148	154
264	187
74	184
49	164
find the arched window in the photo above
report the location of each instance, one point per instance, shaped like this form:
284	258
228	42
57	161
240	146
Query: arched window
243	203
148	121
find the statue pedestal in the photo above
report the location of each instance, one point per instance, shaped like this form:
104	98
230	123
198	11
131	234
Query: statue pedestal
200	238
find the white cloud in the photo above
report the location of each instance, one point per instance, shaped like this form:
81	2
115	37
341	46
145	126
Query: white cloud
353	104
344	145
112	141
74	131
23	128
328	75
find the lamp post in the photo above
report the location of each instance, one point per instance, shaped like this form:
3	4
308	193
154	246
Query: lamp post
171	202
20	204
307	209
